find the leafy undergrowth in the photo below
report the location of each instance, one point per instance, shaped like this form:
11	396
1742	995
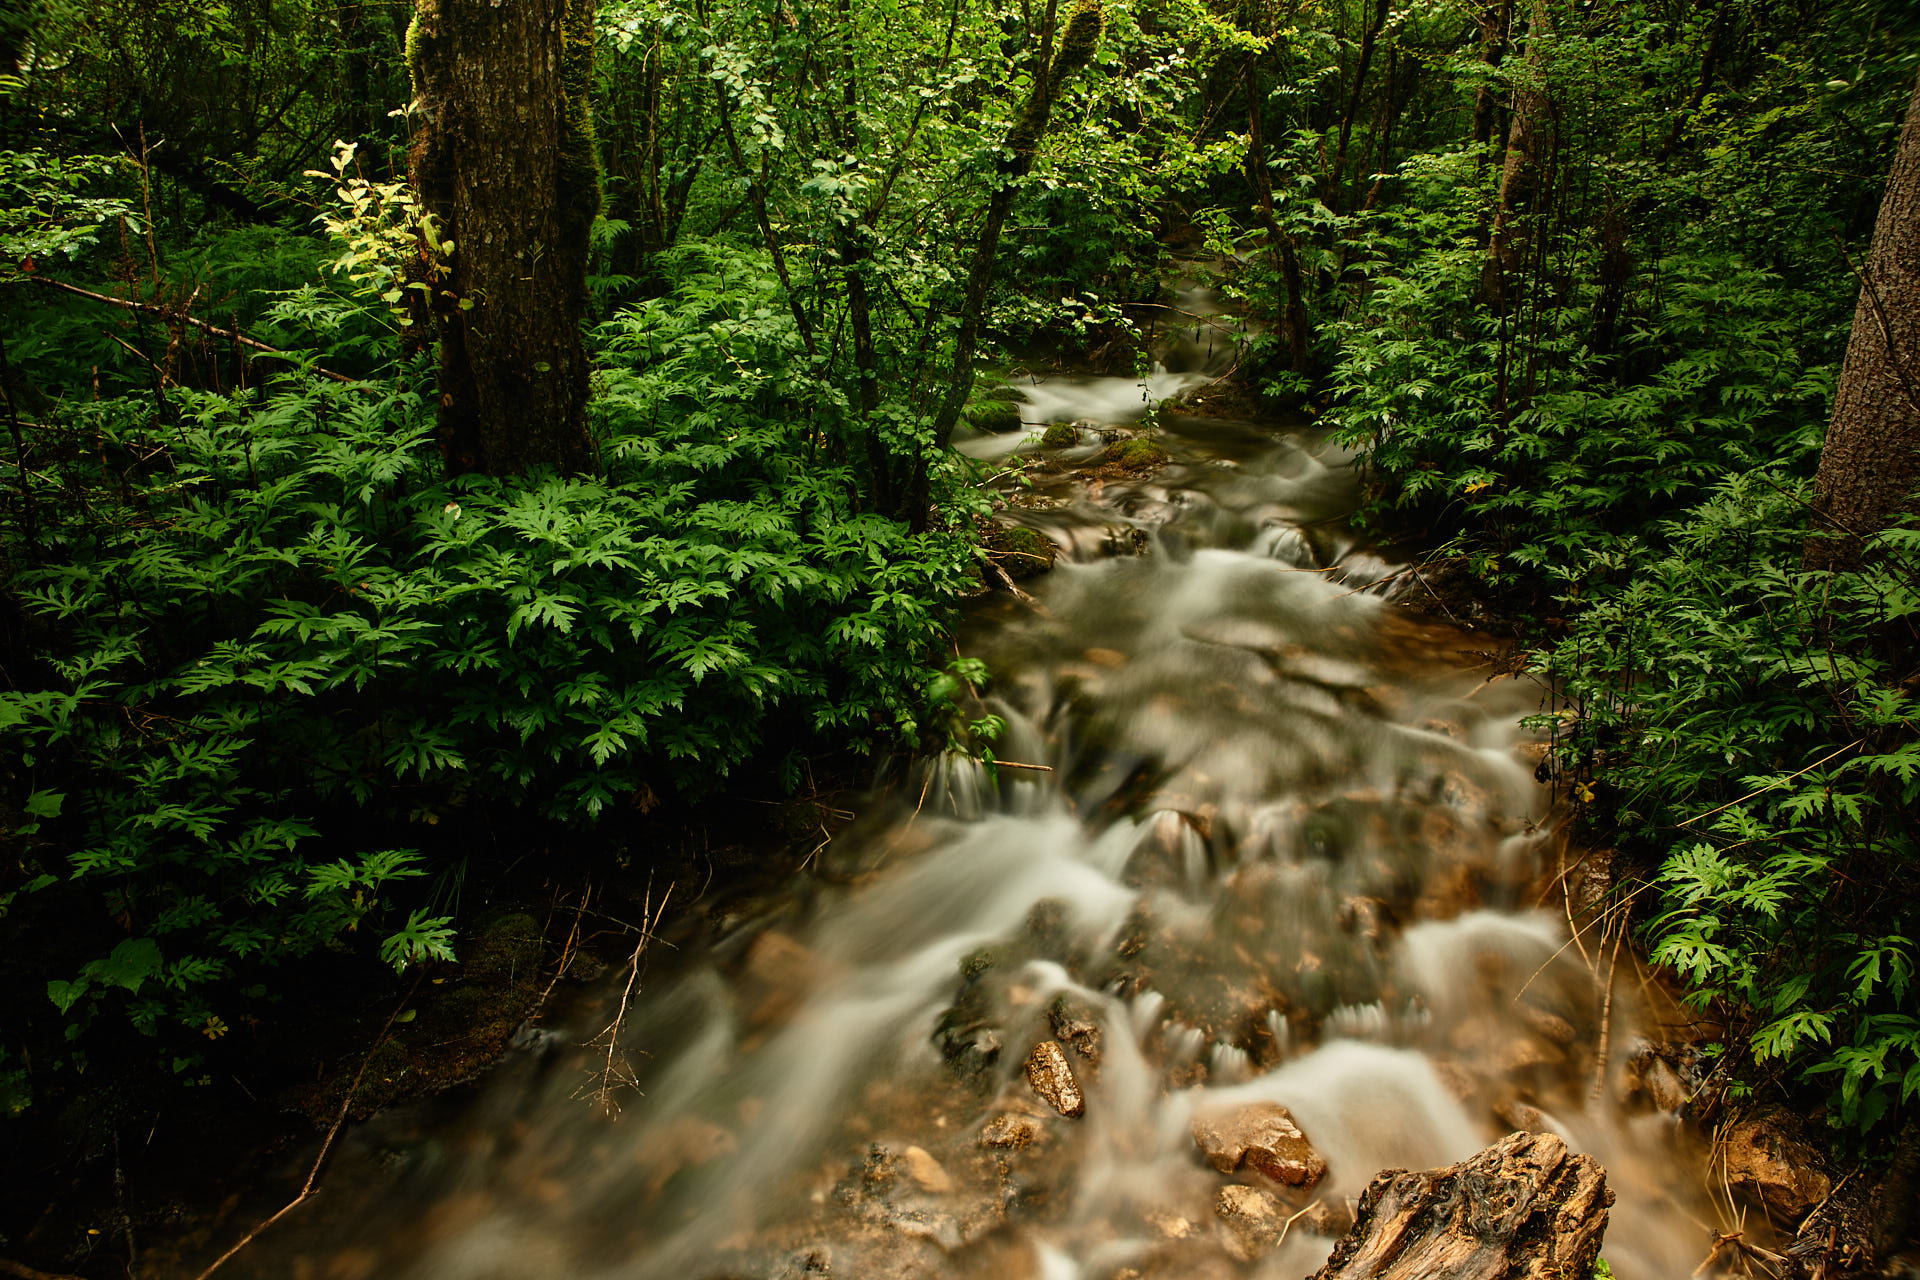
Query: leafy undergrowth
281	666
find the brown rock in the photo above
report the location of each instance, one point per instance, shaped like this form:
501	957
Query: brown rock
1052	1079
1662	1085
1518	1115
1768	1164
1253	1221
1548	1026
1523	1209
1072	1021
1264	1137
926	1171
1011	1131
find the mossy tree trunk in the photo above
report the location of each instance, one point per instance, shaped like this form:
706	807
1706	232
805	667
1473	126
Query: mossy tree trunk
506	165
1869	465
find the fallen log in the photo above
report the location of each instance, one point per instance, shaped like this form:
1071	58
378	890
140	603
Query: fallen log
1525	1208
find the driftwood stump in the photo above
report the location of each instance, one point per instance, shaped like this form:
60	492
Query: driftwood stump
1524	1209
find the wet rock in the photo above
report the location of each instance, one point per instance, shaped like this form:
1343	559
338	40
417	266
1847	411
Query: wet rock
994	415
1073	1025
1135	455
1252	1221
1662	1085
1012	1131
1768	1163
776	974
687	1143
1170	1225
1525	1208
1518	1115
1020	551
1060	435
1053	1080
1550	1027
926	1171
1262	1136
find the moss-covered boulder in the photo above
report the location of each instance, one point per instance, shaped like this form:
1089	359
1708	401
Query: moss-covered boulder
506	948
1060	435
996	415
1022	552
1135	455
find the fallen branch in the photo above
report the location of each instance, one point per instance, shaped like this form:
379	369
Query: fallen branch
313	1175
1006	583
154	308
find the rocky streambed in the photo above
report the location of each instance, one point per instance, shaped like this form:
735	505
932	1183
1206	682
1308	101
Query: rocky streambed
1264	899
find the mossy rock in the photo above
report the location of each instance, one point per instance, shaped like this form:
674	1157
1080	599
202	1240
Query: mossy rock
506	948
1136	454
1060	435
1022	552
997	416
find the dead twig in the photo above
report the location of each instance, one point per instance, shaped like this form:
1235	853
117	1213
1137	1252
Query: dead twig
616	1073
566	948
340	1118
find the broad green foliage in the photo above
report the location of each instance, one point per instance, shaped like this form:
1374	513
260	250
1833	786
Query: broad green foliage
1752	724
297	632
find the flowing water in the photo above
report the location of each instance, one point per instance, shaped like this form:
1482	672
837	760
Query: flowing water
1285	846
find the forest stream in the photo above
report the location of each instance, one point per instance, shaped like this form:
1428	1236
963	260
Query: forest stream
1268	839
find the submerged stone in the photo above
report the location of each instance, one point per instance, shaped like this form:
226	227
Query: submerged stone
1052	1079
1262	1136
1253	1221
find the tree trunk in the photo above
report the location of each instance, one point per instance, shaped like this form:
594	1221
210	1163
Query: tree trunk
506	165
1868	467
1523	1209
1286	261
1529	142
1493	19
1022	144
1336	178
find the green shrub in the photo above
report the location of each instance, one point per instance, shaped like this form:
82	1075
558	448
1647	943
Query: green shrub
272	633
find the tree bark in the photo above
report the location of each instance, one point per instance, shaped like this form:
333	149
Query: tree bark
1868	466
1286	261
1051	70
1529	142
506	165
1523	1209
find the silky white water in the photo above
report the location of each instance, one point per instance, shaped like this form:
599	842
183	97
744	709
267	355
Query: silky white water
1284	846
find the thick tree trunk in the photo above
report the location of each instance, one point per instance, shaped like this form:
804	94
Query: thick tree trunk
506	164
1523	1209
1868	468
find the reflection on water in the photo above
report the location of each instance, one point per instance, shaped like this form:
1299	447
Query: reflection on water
1288	850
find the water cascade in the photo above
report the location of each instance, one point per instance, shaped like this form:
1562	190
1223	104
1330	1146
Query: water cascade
1286	848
